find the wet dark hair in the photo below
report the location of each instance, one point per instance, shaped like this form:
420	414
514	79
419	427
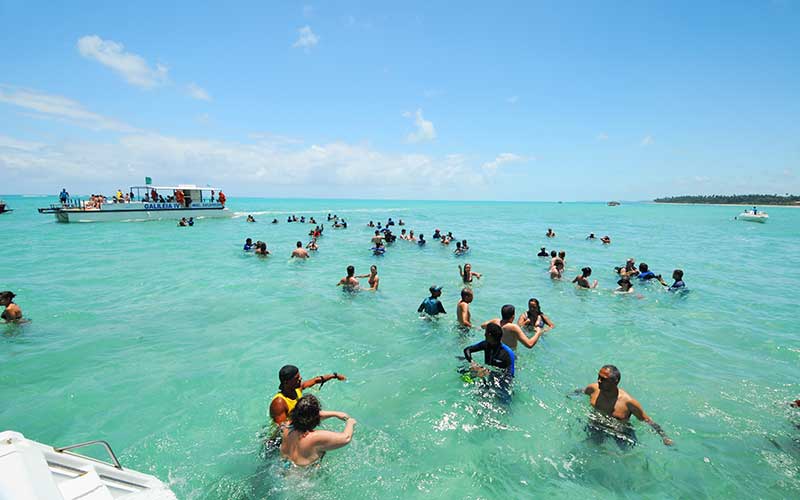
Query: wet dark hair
351	270
643	267
299	244
465	292
553	253
507	311
494	331
538	306
305	416
586	271
7	295
249	241
562	254
678	274
616	376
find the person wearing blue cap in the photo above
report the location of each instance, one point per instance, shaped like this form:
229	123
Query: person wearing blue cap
432	305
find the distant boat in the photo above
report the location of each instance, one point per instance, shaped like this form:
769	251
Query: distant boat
3	208
753	216
613	203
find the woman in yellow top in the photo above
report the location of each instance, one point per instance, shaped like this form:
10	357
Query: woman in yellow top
290	391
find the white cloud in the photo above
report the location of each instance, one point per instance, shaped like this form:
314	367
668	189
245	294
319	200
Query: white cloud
425	129
307	39
648	140
502	159
513	99
197	92
602	136
130	66
59	108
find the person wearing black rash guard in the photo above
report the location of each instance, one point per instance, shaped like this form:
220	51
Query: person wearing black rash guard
495	353
542	253
437	234
432	305
677	275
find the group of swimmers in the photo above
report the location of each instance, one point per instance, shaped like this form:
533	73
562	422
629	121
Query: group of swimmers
184	222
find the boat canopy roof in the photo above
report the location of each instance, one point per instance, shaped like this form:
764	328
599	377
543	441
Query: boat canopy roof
178	187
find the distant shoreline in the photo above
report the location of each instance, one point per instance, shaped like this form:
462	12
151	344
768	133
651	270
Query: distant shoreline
749	205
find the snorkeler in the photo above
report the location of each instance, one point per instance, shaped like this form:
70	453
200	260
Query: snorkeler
432	305
535	318
582	280
512	333
11	311
462	310
300	252
305	446
349	282
608	399
467	273
290	390
374	280
495	352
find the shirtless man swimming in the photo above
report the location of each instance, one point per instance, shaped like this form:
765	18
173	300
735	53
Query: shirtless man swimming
462	310
349	282
608	399
512	333
300	252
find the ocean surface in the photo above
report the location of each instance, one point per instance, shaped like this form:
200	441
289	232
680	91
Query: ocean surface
166	341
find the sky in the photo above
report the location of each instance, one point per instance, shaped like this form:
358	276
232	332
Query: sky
550	101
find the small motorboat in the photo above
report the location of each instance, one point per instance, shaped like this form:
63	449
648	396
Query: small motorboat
613	203
4	208
753	216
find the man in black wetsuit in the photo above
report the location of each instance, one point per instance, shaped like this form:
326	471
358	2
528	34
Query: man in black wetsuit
495	352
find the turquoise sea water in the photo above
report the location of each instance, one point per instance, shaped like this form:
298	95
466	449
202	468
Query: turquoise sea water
166	341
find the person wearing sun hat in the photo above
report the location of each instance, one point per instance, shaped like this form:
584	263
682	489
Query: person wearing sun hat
432	305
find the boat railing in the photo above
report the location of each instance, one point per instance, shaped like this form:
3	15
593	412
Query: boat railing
105	444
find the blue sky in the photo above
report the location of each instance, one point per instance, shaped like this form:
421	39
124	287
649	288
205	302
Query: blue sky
483	100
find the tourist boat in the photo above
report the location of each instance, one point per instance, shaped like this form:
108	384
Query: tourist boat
753	216
146	203
613	203
33	471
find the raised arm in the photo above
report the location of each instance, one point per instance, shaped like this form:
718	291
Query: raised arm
527	342
328	440
636	408
460	271
321	379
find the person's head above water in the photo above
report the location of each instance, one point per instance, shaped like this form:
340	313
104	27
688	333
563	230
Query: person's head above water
562	254
377	233
289	377
608	377
458	244
351	271
643	268
624	283
299	244
305	416
249	241
507	312
435	290
677	274
586	272
533	305
6	297
466	295
373	269
494	333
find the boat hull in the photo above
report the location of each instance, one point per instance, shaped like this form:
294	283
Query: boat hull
747	217
68	215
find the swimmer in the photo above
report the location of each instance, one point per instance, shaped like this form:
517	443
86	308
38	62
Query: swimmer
11	311
182	222
437	234
389	222
248	244
542	253
591	237
274	221
467	273
421	241
403	235
458	250
550	233
190	221
629	269
432	305
563	256
411	236
464	246
261	249
371	224
535	318
553	257
349	282
606	240
374	280
462	310
582	280
512	333
645	274
557	269
312	245
305	446
290	390
250	218
378	249
495	352
625	285
300	252
378	238
608	399
401	223
677	276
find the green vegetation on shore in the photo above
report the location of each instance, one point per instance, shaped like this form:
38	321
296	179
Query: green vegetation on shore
737	199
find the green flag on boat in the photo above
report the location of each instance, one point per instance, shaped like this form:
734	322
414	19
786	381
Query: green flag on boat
148	180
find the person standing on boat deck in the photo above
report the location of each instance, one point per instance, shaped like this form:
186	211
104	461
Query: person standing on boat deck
290	390
610	400
64	196
512	333
11	311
